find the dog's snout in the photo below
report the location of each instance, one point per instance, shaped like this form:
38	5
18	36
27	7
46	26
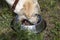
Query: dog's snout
26	22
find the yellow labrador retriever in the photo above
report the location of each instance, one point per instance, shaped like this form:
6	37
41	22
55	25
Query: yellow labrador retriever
25	9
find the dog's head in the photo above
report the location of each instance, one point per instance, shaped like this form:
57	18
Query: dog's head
28	8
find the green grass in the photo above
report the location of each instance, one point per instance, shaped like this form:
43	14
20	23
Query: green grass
50	11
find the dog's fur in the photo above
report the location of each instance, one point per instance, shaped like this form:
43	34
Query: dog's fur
26	9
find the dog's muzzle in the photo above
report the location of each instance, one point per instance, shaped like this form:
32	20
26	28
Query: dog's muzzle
36	28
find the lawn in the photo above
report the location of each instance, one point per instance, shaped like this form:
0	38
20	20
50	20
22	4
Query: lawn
50	11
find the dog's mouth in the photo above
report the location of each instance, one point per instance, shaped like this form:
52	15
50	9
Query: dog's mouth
26	22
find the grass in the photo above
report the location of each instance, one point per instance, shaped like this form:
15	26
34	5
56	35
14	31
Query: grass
50	11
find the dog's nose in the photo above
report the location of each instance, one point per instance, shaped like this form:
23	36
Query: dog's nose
26	22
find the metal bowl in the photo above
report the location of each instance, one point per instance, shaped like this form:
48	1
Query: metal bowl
37	28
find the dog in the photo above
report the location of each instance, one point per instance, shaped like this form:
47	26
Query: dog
25	9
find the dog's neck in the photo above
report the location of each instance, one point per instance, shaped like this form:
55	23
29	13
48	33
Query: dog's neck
19	5
10	2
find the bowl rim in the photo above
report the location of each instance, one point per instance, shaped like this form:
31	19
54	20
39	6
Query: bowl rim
40	20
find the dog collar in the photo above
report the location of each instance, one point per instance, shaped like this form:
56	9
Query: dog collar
14	5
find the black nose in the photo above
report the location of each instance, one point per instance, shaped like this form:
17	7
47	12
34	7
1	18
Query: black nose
26	22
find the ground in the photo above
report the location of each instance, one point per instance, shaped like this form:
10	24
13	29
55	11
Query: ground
50	11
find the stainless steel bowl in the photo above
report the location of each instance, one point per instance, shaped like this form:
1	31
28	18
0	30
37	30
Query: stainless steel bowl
37	28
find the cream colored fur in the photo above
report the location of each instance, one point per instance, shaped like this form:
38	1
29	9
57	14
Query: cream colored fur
26	9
